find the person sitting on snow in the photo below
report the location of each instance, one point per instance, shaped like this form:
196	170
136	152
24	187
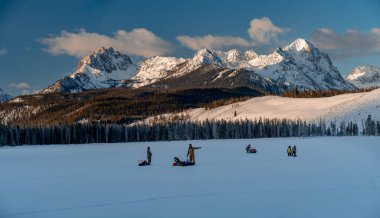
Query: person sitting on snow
294	149
178	162
248	148
290	152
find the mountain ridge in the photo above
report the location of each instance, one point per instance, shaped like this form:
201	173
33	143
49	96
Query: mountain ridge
300	65
366	76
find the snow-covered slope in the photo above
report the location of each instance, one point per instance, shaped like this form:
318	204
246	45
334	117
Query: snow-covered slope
104	68
365	76
353	107
4	96
332	177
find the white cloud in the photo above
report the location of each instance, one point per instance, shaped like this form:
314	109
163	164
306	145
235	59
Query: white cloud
22	85
212	42
262	31
3	51
352	43
139	42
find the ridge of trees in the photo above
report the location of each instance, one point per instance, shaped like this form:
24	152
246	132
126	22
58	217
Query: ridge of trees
322	93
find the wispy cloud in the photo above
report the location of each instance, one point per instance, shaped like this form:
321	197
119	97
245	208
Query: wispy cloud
139	42
22	85
352	43
3	51
212	42
262	31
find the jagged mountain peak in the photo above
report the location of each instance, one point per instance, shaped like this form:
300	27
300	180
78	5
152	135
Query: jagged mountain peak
250	55
103	68
300	45
299	65
365	76
106	59
155	68
204	57
234	55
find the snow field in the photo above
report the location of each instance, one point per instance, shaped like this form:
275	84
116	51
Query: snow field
332	177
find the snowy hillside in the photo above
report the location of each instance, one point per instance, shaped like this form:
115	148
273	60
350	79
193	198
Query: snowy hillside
353	107
104	68
365	77
4	96
331	177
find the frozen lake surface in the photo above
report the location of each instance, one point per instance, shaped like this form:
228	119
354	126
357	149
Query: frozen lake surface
332	177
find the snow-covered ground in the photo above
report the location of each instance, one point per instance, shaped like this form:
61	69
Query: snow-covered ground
332	177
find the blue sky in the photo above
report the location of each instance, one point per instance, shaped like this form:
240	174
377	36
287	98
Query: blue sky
41	41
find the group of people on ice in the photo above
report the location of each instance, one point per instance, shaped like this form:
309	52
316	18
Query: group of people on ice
177	162
292	151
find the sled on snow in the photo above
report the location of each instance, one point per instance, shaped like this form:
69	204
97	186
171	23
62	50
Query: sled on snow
143	163
252	150
178	162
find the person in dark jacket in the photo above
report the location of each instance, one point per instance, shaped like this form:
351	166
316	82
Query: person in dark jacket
148	161
248	148
294	150
290	152
191	153
149	155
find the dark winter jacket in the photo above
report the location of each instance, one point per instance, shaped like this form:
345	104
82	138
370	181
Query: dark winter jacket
149	155
247	148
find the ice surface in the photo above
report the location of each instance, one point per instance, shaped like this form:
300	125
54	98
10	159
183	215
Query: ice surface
331	177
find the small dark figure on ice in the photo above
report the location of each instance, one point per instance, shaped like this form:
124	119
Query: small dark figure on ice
149	158
248	149
294	150
290	151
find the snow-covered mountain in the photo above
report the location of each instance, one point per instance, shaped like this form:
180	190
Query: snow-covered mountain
104	68
365	76
154	69
4	96
353	107
299	65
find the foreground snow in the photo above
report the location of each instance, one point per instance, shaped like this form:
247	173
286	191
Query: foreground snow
332	177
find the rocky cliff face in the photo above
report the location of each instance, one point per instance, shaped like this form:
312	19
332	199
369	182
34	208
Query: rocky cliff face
105	68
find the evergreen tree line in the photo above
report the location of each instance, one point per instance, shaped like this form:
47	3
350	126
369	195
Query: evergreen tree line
178	130
296	93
